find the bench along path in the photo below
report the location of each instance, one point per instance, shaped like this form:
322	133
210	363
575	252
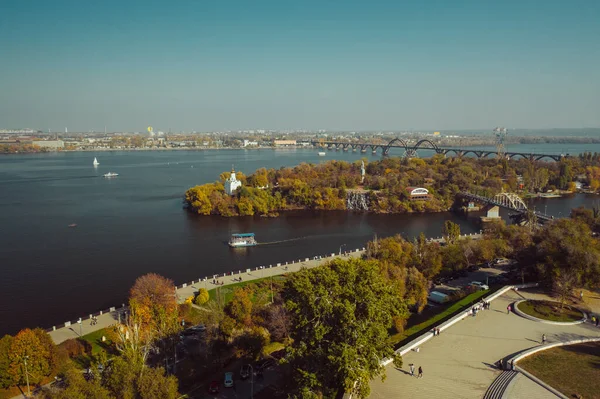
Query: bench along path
460	362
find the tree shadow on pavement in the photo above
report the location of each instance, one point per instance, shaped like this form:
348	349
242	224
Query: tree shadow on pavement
403	371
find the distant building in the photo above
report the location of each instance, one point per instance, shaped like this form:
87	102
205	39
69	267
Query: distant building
232	184
284	143
54	144
250	143
418	193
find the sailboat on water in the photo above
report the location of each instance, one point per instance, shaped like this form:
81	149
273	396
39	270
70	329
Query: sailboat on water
96	163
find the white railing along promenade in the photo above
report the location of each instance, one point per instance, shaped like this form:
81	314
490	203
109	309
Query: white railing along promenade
107	317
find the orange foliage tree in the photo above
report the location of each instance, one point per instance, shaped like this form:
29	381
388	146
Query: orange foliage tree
153	303
27	346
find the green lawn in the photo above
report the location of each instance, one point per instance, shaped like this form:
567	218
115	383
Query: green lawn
95	339
572	369
227	290
550	311
415	330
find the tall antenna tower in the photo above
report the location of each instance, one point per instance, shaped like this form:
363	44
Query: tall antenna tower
500	133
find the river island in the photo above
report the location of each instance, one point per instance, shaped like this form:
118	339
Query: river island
390	185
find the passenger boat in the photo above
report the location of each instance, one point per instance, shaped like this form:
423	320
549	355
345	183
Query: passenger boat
242	240
96	163
321	153
110	174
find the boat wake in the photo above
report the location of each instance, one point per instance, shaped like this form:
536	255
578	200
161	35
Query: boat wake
282	241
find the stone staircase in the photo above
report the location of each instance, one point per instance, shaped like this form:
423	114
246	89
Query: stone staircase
497	388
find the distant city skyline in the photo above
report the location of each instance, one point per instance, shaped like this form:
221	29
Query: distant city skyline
351	66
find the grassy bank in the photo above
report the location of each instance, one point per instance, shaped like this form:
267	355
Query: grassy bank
572	369
551	311
227	290
434	317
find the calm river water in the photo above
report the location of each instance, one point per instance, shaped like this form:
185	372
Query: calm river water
135	224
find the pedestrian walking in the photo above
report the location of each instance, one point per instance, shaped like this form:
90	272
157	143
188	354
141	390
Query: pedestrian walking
508	309
420	372
543	339
581	295
597	320
412	369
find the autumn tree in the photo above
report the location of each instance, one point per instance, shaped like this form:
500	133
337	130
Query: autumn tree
153	383
568	255
77	387
450	232
340	317
202	297
27	346
240	307
427	257
154	305
6	378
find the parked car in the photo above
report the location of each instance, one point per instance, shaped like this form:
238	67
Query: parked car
479	285
213	387
246	371
265	364
473	268
228	381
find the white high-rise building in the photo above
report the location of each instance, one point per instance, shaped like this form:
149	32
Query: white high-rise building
232	183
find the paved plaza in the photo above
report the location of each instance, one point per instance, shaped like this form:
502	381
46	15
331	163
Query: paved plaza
459	363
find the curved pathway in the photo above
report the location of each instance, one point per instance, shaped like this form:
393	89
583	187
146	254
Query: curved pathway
459	363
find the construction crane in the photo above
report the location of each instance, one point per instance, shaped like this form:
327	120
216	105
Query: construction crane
500	133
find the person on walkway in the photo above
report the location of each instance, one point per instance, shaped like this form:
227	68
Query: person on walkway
412	369
597	320
420	372
508	309
543	339
240	279
581	295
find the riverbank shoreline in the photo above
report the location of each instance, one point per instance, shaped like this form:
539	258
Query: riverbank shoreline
106	318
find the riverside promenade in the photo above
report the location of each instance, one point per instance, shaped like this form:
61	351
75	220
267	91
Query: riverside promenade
460	362
113	315
109	317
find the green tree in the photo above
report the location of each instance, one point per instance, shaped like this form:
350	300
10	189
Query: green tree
120	377
153	383
340	317
77	387
569	255
450	232
427	257
202	297
6	378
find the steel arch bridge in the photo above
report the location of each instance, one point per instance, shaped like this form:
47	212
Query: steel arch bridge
410	150
509	201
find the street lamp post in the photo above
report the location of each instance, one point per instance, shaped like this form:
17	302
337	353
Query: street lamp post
27	375
251	381
343	245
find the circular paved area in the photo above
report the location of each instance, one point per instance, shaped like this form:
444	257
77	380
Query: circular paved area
459	363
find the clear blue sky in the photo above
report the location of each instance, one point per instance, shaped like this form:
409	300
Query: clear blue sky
210	65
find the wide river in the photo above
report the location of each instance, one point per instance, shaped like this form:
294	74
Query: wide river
135	224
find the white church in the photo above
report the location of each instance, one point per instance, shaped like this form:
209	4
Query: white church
232	183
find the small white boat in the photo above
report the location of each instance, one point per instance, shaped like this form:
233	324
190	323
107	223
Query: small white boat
96	163
110	174
321	153
242	240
